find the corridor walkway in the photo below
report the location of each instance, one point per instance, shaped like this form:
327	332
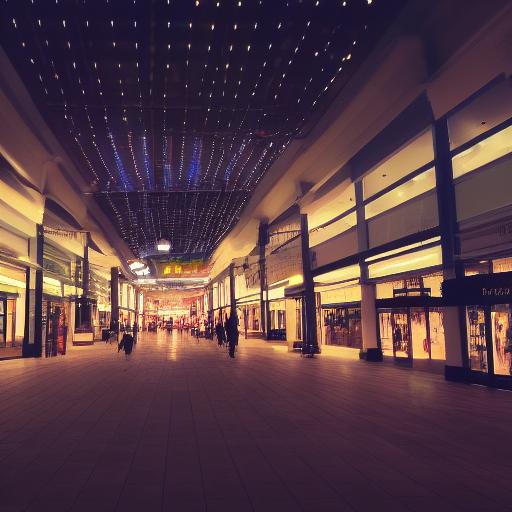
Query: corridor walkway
179	426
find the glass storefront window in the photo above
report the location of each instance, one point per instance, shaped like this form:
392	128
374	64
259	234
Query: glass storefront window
477	345
437	341
401	335
420	344
502	265
2	322
479	267
416	333
394	333
501	321
386	333
414	187
298	320
342	326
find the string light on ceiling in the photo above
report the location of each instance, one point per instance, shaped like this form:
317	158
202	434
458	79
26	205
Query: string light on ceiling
174	111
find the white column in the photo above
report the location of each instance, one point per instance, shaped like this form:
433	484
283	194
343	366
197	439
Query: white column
368	316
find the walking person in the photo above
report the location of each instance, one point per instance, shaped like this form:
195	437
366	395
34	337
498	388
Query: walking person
126	344
220	333
232	334
135	332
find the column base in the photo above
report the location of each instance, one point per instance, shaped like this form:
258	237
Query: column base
373	355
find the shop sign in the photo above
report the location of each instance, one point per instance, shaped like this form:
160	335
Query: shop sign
60	233
479	289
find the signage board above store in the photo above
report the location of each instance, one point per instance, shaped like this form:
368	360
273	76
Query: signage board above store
177	267
480	289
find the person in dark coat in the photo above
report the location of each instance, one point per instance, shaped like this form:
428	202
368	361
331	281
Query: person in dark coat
232	333
126	344
220	333
135	331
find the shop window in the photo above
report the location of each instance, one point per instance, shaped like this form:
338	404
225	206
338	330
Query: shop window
298	320
420	343
437	340
484	152
386	333
478	267
414	187
477	345
501	322
484	113
433	282
502	265
342	326
416	332
394	333
412	156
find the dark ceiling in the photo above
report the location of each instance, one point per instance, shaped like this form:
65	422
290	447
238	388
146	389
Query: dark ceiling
173	110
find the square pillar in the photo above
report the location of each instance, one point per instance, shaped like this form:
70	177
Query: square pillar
114	299
453	317
310	341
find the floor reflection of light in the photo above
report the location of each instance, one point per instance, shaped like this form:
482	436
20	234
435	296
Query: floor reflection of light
172	351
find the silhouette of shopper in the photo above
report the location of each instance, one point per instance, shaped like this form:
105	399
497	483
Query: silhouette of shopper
126	344
220	333
232	334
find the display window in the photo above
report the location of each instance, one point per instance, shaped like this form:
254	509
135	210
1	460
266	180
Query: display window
342	326
277	319
501	323
55	327
395	333
298	319
501	338
416	332
436	334
476	338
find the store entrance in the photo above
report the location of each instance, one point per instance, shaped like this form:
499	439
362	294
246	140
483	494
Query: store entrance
412	333
55	330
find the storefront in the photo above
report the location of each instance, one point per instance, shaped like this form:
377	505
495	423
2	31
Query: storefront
249	315
339	308
277	316
99	291
485	301
55	322
410	319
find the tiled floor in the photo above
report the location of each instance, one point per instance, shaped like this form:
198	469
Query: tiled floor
181	427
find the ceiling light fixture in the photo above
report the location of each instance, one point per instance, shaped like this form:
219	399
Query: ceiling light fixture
163	245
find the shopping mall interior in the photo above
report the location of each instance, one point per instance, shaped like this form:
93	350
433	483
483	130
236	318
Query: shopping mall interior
255	255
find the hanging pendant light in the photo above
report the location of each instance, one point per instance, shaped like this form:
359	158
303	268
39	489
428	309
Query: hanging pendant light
163	245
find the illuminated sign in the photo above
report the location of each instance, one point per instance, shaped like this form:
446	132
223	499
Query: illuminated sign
178	267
